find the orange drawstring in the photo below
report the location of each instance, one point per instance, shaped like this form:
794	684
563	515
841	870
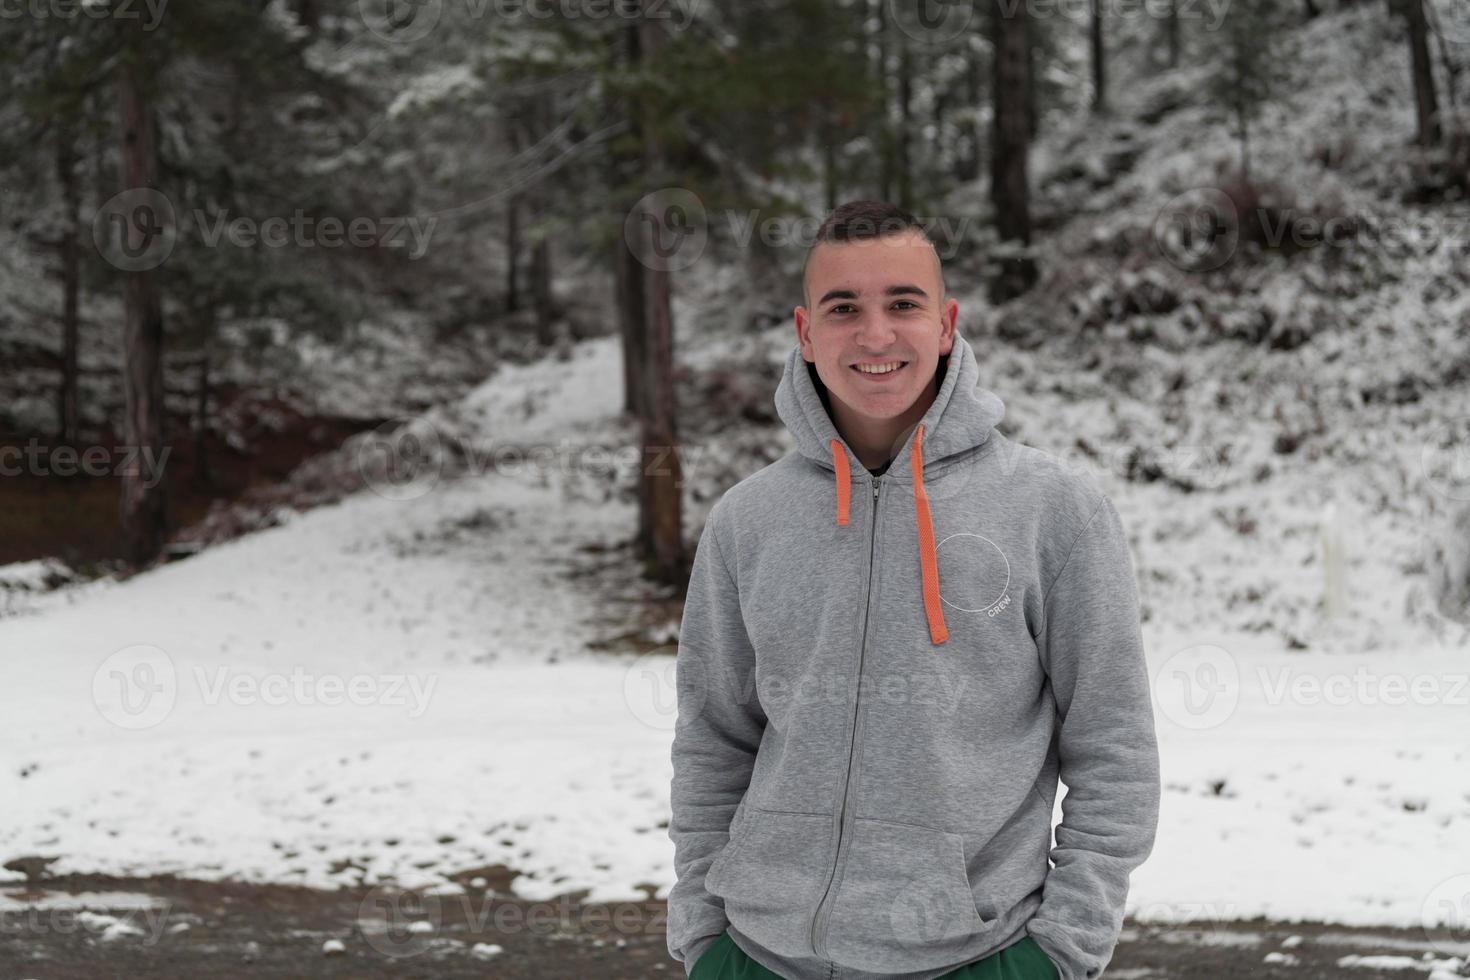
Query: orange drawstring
844	481
928	565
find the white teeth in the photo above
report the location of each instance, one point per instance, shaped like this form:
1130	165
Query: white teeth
879	368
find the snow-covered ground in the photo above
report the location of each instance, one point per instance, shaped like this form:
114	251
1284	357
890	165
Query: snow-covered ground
416	682
399	688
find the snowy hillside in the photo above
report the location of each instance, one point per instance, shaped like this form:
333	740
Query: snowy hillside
421	678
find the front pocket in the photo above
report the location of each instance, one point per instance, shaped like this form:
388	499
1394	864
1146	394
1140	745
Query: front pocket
773	878
905	901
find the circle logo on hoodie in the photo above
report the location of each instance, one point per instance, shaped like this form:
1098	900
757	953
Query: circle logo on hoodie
974	574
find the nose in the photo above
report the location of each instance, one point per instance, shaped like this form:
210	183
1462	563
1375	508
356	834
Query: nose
874	332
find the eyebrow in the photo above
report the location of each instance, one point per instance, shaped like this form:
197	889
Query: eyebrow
901	289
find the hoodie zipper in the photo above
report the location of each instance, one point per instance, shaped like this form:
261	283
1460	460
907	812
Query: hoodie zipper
817	919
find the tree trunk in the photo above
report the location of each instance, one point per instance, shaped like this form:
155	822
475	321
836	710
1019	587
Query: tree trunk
69	406
1009	193
829	164
1172	29
144	506
309	15
1242	122
660	471
967	166
1099	62
541	297
627	272
1451	70
1033	114
629	281
886	178
512	254
905	125
1425	101
203	476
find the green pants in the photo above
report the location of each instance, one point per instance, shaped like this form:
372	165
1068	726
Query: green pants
1022	960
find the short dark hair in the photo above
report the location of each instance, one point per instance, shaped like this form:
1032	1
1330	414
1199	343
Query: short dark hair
857	220
866	219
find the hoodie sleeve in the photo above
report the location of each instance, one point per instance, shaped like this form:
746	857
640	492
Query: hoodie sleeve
716	735
1091	645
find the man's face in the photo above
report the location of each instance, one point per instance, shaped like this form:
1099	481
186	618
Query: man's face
876	301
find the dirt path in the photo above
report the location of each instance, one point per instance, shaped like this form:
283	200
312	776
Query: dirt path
94	927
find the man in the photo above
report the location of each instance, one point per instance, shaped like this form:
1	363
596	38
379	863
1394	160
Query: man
896	639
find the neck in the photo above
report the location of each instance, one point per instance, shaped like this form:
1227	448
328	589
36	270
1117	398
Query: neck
876	441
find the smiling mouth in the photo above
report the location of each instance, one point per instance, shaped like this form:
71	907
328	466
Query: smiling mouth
880	371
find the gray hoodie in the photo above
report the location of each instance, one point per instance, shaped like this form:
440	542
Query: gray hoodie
880	681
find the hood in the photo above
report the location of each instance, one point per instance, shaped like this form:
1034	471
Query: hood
962	417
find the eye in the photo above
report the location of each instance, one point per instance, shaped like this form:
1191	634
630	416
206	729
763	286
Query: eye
907	302
840	308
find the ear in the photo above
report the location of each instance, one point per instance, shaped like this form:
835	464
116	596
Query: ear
803	333
949	316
